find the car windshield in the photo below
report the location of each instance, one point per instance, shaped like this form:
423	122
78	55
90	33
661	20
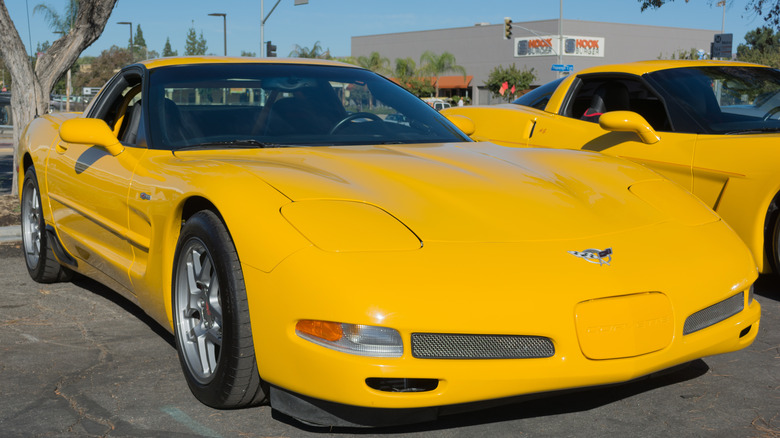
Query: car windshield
274	105
725	99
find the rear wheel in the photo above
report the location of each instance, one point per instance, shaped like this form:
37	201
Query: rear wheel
211	317
41	263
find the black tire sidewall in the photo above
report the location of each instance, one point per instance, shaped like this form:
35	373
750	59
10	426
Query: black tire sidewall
38	271
774	245
208	228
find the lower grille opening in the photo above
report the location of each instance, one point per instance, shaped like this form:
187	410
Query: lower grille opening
402	385
714	314
469	346
744	332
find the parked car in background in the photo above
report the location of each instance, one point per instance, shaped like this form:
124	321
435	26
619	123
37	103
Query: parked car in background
5	108
436	103
351	271
711	126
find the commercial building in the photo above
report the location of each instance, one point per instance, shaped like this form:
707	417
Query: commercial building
534	44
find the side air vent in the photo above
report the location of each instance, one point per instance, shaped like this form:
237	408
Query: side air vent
714	314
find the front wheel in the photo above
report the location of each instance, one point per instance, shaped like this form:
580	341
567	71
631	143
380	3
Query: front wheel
41	263
211	317
773	249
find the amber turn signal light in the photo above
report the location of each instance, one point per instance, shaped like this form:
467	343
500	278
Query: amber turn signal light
329	331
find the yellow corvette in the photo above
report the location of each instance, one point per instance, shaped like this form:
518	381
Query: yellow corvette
353	270
711	126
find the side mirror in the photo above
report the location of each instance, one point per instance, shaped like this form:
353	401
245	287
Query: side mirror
90	131
463	123
629	121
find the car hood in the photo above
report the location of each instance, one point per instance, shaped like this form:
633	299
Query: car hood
477	192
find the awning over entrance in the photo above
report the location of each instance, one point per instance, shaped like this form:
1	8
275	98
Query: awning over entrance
455	82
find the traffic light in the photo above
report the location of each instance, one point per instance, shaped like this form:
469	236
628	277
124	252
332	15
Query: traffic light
270	50
507	28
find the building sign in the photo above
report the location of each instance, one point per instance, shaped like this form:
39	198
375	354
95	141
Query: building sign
583	46
536	46
721	47
548	45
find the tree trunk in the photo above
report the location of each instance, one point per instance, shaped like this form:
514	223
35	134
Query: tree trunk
31	88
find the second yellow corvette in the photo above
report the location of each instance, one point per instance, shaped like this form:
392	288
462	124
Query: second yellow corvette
711	126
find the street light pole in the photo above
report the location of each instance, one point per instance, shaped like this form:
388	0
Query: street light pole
224	27
129	23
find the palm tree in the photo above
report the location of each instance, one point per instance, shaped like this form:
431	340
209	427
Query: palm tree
437	64
314	52
57	22
61	24
374	62
405	69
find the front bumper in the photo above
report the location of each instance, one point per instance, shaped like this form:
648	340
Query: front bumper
487	289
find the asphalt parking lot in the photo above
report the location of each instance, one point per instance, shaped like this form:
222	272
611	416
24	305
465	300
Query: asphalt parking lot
78	360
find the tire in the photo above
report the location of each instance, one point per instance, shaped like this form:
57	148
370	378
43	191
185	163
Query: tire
211	317
773	249
41	263
772	235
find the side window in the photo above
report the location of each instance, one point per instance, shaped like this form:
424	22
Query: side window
119	105
598	95
127	117
538	98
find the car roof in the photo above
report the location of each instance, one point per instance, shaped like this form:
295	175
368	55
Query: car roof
642	67
190	60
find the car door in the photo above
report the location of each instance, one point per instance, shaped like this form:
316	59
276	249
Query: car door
575	125
88	188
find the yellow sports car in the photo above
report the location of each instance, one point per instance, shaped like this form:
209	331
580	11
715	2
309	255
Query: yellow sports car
355	271
711	126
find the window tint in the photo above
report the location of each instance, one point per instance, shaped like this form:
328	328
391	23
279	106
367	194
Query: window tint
212	105
539	97
724	99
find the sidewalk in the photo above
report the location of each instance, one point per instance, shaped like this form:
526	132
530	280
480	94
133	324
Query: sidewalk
11	233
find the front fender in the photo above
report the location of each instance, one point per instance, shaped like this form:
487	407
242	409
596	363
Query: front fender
160	202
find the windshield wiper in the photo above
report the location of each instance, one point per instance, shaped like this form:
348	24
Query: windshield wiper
753	131
240	144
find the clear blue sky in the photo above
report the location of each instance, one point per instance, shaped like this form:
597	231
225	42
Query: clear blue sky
334	22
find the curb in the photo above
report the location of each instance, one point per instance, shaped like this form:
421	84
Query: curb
11	233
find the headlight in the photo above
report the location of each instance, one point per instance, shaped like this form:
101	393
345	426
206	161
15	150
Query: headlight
750	294
363	340
343	226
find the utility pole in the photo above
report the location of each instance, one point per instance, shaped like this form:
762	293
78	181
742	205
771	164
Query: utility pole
264	18
560	33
